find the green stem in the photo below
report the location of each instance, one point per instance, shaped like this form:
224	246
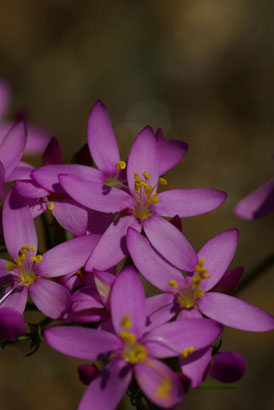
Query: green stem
255	273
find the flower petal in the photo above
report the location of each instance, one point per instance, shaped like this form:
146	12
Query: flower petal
100	136
95	195
143	157
30	189
128	300
108	387
218	253
50	297
188	202
48	175
12	324
112	248
196	365
170	243
258	203
17	299
72	216
12	146
82	343
160	384
52	153
18	225
171	339
159	309
67	257
229	281
228	367
235	312
154	268
4	98
170	153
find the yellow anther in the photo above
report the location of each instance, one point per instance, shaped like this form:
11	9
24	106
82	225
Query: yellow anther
198	293
126	322
146	175
36	258
143	183
173	283
18	261
154	199
50	206
196	281
27	248
136	177
137	186
10	266
128	337
187	351
162	181
149	189
163	391
205	275
135	355
121	165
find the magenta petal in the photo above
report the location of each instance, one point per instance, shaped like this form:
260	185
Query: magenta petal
170	153
218	253
143	157
95	195
48	175
17	299
67	257
4	98
159	309
52	153
111	248
228	367
154	268
87	372
12	324
108	388
30	189
82	343
18	225
2	180
170	243
12	146
235	312
160	384
72	216
170	339
128	300
195	367
258	203
22	171
101	140
37	140
188	202
189	314
50	297
229	281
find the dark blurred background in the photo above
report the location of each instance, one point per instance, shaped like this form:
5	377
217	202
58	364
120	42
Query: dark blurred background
202	70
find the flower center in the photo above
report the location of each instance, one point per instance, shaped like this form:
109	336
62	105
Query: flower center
114	180
23	265
190	292
145	195
133	351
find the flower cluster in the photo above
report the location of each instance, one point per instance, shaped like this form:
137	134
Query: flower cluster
119	210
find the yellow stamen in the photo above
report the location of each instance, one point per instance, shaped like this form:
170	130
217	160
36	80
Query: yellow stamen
121	165
128	337
146	175
187	351
37	258
50	206
126	322
154	199
138	354
162	181
10	266
136	177
173	283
